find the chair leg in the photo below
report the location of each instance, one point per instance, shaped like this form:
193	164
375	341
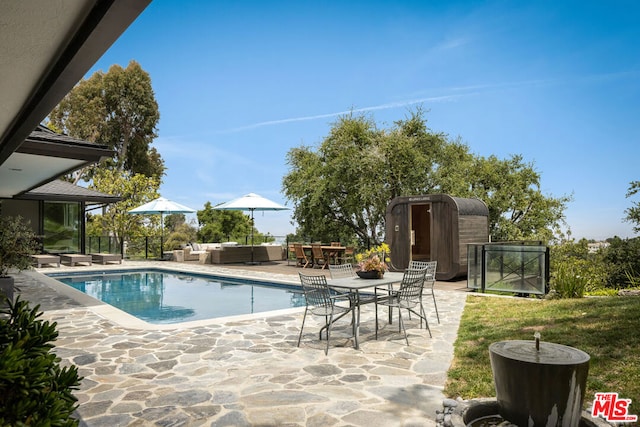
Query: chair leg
426	322
326	351
326	325
302	327
401	322
436	306
375	302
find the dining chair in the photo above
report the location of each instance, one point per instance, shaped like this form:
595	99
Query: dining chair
407	297
430	280
301	257
291	253
348	256
321	302
341	270
335	254
346	270
320	258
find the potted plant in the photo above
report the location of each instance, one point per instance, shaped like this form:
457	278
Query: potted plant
373	263
17	243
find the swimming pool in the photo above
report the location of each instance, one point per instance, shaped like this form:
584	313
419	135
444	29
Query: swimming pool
165	297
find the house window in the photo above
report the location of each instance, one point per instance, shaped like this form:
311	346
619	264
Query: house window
61	227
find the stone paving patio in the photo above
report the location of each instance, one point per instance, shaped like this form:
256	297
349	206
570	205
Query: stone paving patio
246	370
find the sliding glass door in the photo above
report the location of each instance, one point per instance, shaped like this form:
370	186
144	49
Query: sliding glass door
62	227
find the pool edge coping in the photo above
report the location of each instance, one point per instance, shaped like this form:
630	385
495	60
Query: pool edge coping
126	320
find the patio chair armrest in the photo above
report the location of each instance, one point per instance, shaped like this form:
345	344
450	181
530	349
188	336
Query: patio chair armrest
386	288
342	297
385	294
341	291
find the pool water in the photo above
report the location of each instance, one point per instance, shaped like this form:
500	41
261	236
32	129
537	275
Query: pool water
163	297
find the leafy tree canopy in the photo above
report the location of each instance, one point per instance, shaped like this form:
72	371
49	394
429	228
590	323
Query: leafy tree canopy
633	213
117	109
178	232
222	225
135	190
227	225
623	262
341	189
174	221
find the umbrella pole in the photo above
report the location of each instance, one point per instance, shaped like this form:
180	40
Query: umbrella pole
161	236
252	227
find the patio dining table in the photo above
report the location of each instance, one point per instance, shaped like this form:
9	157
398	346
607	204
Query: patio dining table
355	285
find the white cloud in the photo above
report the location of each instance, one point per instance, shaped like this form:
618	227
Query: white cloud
398	104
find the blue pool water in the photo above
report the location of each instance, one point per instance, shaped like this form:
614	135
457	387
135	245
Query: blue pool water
163	297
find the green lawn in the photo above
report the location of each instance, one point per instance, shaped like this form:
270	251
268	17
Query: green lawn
607	328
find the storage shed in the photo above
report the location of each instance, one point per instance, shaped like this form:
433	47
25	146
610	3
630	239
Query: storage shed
435	227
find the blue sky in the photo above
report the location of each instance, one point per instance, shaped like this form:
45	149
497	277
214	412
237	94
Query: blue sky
241	83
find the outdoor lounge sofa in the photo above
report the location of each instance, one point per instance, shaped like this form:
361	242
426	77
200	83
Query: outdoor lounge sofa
192	255
192	251
227	254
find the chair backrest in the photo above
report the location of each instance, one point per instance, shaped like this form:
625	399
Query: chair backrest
316	290
349	250
412	283
430	266
316	250
297	247
341	270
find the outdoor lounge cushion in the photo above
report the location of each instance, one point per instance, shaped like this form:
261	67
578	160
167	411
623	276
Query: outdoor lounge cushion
192	255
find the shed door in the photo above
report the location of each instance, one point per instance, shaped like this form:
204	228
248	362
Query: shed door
421	232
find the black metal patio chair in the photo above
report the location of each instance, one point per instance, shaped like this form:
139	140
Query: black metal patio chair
407	297
320	301
430	279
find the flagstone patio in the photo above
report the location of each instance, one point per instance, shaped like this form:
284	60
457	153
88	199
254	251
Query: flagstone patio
247	370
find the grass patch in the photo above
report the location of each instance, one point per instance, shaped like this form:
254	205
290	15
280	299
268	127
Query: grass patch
606	328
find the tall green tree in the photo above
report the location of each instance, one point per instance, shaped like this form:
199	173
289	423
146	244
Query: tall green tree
135	190
222	225
342	187
174	221
633	213
517	208
117	109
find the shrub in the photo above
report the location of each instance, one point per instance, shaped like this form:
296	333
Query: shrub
17	243
623	258
567	281
34	389
571	260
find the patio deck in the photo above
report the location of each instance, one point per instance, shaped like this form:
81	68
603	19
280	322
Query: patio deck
247	370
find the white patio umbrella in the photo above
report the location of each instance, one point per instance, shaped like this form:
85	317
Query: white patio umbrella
251	202
161	206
